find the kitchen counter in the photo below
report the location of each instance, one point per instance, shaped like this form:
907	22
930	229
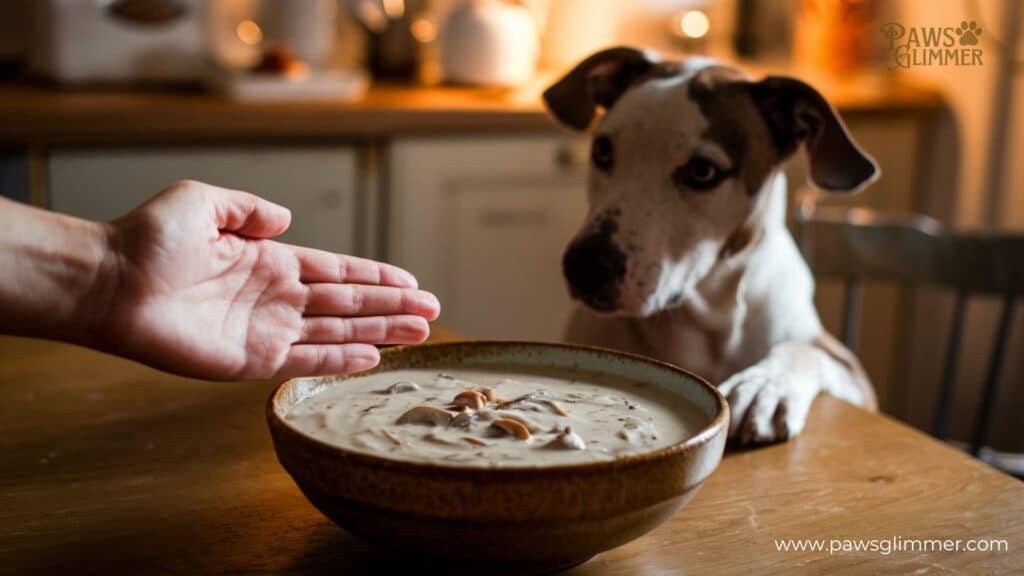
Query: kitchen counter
111	467
34	115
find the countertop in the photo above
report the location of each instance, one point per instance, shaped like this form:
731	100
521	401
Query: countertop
111	467
38	115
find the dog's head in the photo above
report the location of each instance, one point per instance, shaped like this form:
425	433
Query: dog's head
678	163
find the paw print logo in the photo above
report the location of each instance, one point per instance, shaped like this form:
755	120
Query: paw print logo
968	33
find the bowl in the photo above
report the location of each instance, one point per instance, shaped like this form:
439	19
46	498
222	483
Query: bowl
508	519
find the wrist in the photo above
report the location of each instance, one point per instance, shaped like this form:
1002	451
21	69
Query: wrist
59	274
92	314
81	279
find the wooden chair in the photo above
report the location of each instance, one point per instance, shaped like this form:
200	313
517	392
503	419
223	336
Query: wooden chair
855	245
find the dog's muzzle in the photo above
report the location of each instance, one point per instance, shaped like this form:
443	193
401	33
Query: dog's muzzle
595	267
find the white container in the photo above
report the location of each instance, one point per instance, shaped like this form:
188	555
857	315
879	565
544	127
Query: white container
83	41
308	26
490	43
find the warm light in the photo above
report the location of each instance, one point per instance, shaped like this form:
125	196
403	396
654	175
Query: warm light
424	30
394	9
249	32
694	24
372	17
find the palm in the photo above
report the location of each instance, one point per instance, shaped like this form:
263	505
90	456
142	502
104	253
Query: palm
225	304
197	299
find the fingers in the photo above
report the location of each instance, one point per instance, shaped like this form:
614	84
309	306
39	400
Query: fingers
319	360
374	330
361	300
246	214
320	266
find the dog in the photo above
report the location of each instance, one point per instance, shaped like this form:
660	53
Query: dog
684	255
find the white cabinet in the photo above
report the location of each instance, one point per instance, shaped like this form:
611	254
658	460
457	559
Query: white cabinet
483	222
318	184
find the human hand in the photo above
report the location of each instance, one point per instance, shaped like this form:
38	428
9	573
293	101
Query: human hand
194	286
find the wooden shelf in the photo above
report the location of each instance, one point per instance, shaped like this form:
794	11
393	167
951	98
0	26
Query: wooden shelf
35	115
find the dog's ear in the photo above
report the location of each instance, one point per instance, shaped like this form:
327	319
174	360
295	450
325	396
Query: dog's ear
597	81
795	113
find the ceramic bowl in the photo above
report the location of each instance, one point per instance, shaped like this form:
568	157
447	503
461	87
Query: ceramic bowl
516	519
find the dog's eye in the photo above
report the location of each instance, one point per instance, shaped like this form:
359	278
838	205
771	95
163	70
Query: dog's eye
601	153
698	174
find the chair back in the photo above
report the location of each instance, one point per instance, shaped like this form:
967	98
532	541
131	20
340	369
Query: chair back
855	245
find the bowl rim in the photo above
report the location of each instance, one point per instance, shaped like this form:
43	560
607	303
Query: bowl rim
718	424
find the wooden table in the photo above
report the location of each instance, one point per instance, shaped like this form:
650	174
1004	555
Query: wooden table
108	466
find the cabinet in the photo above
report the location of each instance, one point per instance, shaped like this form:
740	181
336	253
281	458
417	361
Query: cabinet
483	222
318	184
14	177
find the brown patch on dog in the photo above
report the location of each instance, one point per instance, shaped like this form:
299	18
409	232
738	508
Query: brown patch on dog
663	70
836	350
609	88
744	237
599	81
795	114
735	123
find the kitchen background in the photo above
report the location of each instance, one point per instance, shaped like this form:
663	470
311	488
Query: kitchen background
411	131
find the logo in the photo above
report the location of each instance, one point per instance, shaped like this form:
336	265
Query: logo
933	45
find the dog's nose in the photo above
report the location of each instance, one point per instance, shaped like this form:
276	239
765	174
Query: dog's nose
594	266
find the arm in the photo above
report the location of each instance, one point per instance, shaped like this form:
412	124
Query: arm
54	274
191	283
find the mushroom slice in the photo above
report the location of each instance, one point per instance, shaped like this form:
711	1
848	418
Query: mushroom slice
470	399
533	428
515	401
391	437
555	407
434	438
428	415
402	386
511	427
567	440
463	419
533	401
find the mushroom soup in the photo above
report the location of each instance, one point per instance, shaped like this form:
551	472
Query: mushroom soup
493	418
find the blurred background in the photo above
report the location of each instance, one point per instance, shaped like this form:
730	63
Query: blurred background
412	131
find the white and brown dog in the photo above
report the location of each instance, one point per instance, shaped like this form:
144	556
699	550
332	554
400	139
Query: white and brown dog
685	255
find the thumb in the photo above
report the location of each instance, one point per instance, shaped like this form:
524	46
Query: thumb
249	215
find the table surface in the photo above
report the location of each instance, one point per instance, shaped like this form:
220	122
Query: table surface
110	466
36	115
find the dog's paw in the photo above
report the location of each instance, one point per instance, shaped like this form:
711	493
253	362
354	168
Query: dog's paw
765	405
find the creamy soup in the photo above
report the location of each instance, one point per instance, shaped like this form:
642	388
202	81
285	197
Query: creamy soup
494	418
